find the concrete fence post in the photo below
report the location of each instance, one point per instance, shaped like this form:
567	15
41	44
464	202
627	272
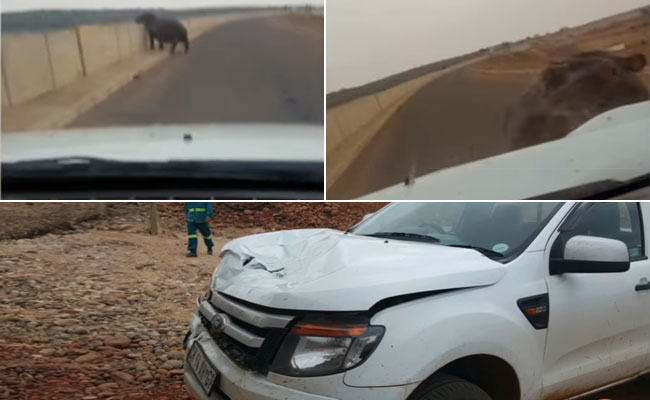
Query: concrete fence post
6	95
81	55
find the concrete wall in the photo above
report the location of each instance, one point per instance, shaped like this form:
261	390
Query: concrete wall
137	38
352	125
98	46
65	59
26	66
347	119
35	63
123	41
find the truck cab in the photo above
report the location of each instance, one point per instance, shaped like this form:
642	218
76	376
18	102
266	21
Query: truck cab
423	301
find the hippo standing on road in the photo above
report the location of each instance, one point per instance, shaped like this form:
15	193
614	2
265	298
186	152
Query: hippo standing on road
571	92
164	30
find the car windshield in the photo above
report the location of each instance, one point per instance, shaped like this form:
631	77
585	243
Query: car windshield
497	230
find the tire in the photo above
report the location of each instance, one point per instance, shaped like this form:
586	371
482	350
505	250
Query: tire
448	387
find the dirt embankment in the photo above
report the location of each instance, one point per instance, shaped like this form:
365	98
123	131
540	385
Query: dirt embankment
276	216
20	220
623	38
309	25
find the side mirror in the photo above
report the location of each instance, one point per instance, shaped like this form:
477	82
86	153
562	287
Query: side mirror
591	255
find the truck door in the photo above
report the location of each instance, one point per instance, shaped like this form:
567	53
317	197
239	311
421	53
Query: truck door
599	323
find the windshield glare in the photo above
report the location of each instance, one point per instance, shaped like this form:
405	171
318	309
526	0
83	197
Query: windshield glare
499	227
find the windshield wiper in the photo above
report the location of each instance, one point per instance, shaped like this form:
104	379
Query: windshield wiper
486	252
404	235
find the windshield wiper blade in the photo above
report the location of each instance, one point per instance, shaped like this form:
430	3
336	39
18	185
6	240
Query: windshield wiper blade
486	252
404	235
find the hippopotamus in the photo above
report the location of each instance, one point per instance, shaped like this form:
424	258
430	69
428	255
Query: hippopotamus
164	30
571	92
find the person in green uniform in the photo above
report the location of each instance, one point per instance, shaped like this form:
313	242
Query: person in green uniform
196	216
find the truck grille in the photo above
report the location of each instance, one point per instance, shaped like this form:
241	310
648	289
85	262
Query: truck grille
250	338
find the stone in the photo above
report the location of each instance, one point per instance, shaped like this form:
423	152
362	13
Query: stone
119	342
176	373
108	386
123	376
140	365
172	364
146	377
176	355
47	352
89	357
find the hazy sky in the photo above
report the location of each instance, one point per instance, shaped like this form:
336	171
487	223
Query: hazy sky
371	39
17	5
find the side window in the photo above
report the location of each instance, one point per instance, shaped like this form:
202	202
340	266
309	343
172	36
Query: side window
620	221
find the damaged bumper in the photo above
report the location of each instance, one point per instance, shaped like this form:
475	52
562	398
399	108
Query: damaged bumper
234	382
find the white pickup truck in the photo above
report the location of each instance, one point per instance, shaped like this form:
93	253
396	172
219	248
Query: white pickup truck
431	301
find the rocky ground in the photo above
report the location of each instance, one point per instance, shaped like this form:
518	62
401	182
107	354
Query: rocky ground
97	308
94	307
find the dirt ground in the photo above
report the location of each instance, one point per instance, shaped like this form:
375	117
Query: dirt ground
97	309
310	25
94	307
460	117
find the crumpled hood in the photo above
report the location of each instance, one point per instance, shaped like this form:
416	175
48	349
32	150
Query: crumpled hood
327	270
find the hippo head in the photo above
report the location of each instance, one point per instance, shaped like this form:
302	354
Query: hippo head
146	18
596	80
571	92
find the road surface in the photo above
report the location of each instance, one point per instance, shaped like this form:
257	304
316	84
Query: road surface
456	118
256	70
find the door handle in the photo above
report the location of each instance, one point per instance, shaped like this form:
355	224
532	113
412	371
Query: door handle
642	286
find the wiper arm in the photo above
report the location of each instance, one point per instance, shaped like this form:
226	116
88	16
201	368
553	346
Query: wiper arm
486	252
404	235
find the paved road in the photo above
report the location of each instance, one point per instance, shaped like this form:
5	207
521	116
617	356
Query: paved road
456	118
257	70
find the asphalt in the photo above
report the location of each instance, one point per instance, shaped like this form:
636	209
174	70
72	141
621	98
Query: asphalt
256	70
455	119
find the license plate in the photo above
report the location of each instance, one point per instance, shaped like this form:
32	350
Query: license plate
204	371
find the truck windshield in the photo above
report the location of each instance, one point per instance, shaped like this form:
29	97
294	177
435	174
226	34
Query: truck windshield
497	230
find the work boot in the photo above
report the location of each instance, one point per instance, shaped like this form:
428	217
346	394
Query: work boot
210	250
191	254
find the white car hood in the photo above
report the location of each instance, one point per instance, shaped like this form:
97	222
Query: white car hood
161	143
327	270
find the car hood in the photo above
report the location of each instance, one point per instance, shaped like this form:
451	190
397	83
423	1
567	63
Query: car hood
327	270
158	143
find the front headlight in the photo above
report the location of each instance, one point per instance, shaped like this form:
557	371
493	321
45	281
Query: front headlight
317	349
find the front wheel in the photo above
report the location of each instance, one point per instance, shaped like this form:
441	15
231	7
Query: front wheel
448	387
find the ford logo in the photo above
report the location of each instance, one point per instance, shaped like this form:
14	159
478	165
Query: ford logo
219	322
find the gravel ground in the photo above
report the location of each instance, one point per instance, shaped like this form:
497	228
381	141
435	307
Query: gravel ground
98	311
94	307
